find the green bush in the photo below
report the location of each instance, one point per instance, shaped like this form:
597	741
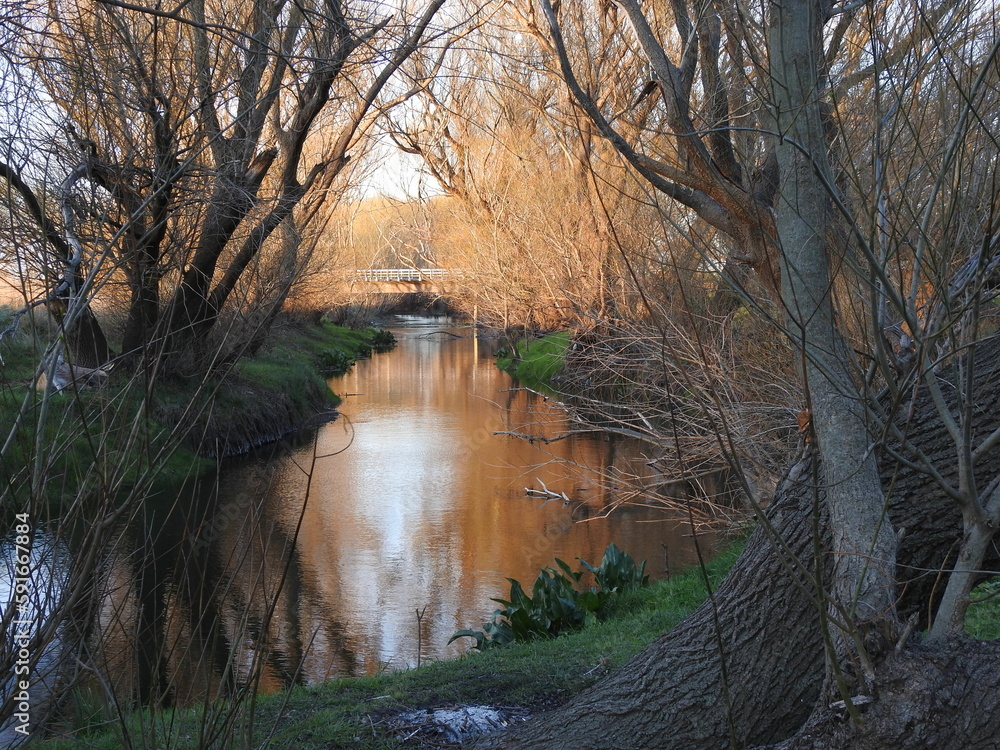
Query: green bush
383	340
335	360
557	603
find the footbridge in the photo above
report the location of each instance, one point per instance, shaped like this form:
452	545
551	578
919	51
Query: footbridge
436	281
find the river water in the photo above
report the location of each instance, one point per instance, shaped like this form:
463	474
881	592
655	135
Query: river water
363	547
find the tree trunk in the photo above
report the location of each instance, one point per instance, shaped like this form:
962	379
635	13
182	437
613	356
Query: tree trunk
144	306
673	694
840	425
85	341
941	697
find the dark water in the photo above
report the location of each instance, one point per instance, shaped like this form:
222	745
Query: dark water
314	562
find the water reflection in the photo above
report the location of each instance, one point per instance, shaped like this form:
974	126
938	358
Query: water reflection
413	504
426	509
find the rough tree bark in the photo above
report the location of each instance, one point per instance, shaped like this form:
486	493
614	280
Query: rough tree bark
673	694
747	668
926	698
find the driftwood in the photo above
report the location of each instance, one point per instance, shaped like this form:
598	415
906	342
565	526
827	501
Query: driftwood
546	493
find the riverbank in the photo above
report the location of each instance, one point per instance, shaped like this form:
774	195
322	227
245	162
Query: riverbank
395	710
279	390
536	361
376	713
186	425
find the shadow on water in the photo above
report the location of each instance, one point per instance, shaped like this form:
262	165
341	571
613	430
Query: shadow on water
414	504
205	593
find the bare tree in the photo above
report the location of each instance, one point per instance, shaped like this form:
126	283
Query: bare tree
196	133
159	168
533	189
882	250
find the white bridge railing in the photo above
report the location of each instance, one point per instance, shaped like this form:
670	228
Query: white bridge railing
415	275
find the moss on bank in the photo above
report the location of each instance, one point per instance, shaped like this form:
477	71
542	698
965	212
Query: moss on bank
535	362
352	712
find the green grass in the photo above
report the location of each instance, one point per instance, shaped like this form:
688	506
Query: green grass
346	712
292	362
81	434
983	618
350	712
534	363
87	434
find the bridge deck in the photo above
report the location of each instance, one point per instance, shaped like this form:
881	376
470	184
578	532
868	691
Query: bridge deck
412	275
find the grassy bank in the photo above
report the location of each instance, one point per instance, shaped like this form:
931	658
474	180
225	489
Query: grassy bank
534	362
357	712
261	398
277	391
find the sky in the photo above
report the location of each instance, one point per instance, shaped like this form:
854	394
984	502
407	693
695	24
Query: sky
397	175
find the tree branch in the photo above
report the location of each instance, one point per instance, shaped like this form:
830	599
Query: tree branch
51	234
704	205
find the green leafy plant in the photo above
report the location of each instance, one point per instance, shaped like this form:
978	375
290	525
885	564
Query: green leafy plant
618	571
335	360
558	604
382	340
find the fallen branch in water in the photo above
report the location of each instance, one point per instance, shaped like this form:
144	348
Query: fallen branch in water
546	493
542	438
606	430
435	333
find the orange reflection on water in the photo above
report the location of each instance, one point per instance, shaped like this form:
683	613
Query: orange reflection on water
423	507
414	505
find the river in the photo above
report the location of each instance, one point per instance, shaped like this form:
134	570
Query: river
322	557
